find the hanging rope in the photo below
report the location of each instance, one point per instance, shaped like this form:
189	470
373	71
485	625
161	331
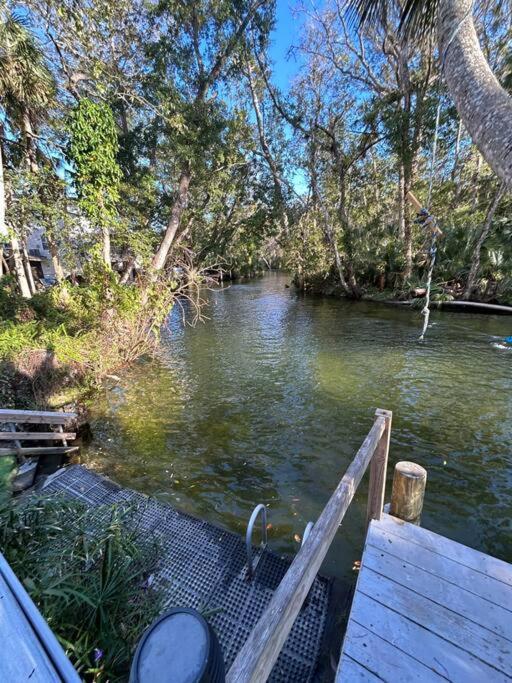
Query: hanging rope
427	221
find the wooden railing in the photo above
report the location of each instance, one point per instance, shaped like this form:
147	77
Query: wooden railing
14	418
255	660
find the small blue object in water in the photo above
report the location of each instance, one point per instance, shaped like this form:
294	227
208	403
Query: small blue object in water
508	340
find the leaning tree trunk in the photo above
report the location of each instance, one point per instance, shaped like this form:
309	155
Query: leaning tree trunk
483	105
28	270
475	261
19	269
173	224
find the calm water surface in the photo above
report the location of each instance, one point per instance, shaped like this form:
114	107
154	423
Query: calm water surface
269	400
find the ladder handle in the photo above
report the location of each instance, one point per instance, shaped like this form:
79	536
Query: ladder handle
248	536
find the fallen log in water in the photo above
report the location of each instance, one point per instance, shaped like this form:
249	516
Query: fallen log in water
462	306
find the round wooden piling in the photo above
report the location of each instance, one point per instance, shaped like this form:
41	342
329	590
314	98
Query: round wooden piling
409	481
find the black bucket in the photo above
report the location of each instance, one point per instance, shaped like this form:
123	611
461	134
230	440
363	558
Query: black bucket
178	647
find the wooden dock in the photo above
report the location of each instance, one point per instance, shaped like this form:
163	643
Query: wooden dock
427	609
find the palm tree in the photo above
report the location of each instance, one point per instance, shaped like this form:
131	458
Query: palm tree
484	106
26	89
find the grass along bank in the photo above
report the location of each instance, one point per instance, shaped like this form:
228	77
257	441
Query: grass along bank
61	343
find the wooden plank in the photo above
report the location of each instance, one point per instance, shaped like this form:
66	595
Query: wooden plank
451	571
23	658
384	659
48	641
469	605
255	660
35	416
448	625
38	450
480	562
378	470
36	436
350	671
441	656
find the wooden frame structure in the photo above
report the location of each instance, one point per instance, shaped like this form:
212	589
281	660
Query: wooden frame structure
261	650
31	417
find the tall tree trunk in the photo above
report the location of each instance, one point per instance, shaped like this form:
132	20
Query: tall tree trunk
474	181
3	230
341	168
173	224
265	148
106	251
30	148
455	166
19	270
483	105
475	261
326	220
56	262
28	270
407	225
401	203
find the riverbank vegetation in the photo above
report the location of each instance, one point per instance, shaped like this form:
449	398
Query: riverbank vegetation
144	143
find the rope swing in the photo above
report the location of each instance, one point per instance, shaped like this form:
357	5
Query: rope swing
427	221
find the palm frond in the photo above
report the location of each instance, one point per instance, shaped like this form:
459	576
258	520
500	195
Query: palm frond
417	17
25	76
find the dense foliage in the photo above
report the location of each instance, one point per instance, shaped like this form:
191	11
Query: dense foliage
93	148
88	574
152	137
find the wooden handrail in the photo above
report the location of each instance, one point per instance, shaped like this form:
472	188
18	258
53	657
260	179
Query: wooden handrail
255	660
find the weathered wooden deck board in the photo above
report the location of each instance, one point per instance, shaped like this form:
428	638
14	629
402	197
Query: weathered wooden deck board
22	656
29	650
427	609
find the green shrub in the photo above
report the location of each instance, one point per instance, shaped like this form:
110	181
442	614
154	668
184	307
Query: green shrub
12	304
88	573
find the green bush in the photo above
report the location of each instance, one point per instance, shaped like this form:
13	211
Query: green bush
75	334
88	573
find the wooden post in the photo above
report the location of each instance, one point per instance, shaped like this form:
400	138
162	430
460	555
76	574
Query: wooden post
378	469
409	483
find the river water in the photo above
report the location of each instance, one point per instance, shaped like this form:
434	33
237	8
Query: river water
269	399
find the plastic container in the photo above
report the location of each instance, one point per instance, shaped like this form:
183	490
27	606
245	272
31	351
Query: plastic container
178	647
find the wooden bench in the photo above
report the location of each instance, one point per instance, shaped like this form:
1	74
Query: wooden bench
14	418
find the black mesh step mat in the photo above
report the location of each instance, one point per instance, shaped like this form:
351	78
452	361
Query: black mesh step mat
204	567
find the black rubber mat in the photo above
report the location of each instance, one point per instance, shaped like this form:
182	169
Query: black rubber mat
205	567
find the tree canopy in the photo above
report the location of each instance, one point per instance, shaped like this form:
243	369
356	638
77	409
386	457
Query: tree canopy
160	130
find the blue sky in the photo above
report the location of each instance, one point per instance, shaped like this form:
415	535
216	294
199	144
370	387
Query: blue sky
285	34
